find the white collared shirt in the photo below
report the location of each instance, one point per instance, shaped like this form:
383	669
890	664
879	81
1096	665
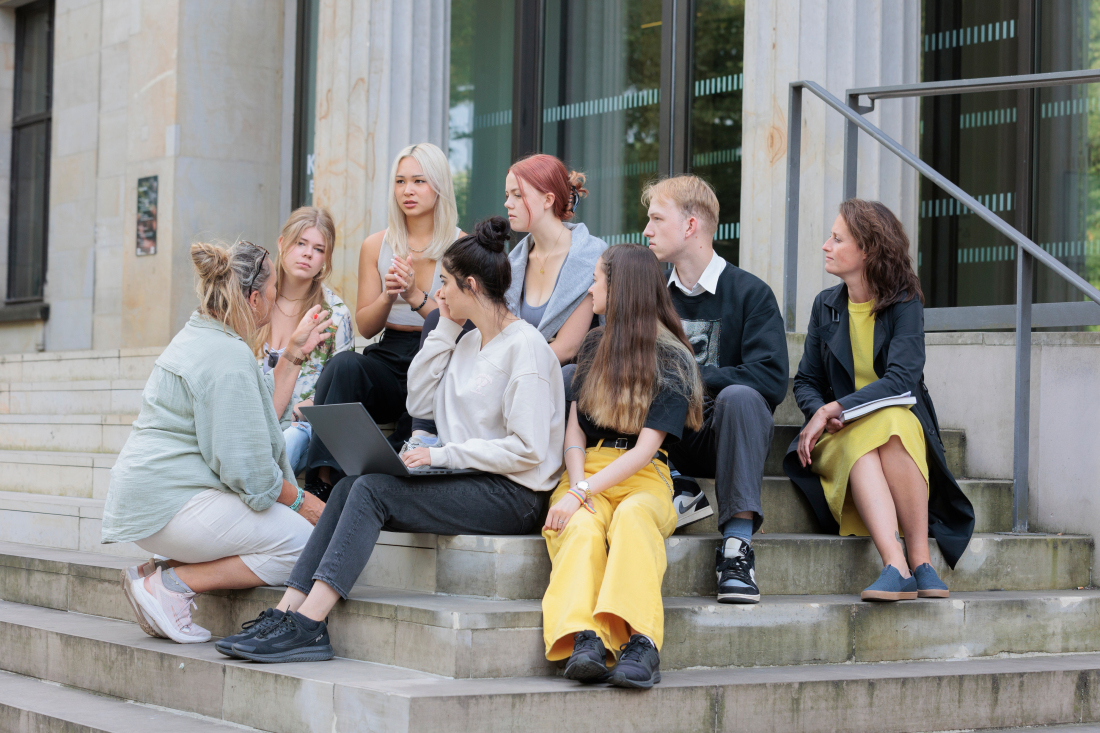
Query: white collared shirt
708	281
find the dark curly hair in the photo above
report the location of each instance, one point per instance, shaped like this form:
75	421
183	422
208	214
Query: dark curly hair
888	269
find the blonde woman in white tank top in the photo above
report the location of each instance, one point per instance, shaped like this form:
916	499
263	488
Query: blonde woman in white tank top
398	276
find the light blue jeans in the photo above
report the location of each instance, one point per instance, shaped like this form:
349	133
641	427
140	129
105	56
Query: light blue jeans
297	443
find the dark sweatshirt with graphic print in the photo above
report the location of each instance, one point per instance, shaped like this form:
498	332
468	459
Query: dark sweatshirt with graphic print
737	334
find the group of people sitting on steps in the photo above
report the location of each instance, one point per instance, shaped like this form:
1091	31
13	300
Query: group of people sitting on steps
583	383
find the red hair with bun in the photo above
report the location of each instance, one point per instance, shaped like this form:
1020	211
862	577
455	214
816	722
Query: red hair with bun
549	175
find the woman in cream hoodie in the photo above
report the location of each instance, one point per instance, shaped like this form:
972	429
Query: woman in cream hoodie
499	403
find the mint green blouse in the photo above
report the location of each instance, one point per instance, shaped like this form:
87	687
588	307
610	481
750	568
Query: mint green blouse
207	421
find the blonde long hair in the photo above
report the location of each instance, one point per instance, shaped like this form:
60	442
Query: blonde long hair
221	285
438	172
298	221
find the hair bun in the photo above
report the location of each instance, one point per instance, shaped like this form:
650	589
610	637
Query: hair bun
211	261
493	233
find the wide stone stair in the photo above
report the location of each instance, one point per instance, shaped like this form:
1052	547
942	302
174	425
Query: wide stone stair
445	633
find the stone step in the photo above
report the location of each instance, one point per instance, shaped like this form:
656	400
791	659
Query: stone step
117	659
28	705
517	567
103	433
76	397
71	366
56	473
459	636
787	511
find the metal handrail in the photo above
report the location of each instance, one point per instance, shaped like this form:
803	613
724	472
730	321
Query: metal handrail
1027	249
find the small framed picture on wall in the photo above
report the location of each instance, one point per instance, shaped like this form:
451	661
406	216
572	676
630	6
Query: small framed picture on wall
147	216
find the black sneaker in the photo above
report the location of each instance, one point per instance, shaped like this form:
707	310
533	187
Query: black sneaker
690	501
259	625
588	663
737	572
291	640
318	488
639	664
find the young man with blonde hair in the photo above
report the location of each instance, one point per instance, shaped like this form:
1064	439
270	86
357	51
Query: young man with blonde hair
732	320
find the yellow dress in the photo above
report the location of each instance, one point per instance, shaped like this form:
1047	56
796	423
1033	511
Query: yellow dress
834	455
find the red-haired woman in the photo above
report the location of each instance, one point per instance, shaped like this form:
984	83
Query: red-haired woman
552	266
635	386
866	476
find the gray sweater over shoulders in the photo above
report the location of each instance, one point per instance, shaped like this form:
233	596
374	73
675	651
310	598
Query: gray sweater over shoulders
573	282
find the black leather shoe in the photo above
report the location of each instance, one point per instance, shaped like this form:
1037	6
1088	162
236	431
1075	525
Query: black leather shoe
639	665
294	639
588	663
266	621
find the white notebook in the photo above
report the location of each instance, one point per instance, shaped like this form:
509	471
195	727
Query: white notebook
901	400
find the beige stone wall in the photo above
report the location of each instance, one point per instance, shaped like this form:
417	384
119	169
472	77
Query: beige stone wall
840	44
374	98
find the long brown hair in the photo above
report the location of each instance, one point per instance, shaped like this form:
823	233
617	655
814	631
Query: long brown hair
299	220
641	349
888	268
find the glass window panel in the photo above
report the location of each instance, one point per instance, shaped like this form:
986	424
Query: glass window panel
1067	171
480	105
716	112
30	158
601	104
971	139
307	101
32	85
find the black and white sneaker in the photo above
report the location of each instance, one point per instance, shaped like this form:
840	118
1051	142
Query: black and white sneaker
263	623
588	663
737	572
690	501
294	639
639	664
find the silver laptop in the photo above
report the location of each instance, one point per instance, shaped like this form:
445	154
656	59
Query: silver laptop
358	445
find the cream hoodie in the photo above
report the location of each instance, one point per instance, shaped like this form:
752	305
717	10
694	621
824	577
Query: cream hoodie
500	409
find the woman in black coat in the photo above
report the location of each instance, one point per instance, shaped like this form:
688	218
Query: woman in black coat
871	474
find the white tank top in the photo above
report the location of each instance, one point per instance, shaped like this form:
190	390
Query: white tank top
401	313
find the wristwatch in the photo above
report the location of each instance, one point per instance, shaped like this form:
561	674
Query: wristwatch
583	486
296	361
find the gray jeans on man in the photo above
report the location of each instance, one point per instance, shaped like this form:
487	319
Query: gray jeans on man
360	507
731	448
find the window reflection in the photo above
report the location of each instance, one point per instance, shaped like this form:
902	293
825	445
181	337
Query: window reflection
601	99
719	34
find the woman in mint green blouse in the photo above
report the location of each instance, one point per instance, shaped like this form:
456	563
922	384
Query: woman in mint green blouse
203	479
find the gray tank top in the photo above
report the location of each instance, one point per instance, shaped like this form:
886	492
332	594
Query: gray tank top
401	313
533	314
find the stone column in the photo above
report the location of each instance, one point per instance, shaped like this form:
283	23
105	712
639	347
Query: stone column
382	84
840	44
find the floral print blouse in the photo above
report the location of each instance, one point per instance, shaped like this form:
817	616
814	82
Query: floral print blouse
343	340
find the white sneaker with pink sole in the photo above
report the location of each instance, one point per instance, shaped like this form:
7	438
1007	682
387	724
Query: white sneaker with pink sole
169	611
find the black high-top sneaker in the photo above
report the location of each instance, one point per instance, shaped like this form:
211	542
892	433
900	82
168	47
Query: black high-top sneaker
639	664
588	663
689	500
736	572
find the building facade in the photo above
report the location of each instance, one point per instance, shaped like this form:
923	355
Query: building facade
131	128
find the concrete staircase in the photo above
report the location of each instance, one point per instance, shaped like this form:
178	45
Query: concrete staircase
444	633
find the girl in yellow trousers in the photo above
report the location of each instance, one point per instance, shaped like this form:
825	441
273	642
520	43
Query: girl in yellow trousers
636	385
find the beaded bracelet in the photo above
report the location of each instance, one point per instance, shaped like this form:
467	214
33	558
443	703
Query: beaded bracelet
298	502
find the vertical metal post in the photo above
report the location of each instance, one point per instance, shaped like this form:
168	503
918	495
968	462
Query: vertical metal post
851	151
527	78
790	233
1022	426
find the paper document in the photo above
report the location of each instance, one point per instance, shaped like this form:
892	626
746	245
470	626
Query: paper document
901	400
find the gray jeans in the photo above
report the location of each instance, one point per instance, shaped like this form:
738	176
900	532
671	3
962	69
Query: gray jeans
738	427
362	506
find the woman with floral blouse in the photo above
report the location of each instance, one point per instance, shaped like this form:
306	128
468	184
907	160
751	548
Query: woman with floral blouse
305	261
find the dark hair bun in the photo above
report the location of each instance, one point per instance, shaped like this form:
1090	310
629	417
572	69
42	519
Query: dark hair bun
493	233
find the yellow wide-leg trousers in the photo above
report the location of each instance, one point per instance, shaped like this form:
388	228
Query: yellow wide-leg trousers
608	566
